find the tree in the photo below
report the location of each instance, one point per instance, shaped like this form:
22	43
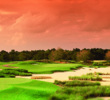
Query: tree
83	55
39	55
13	55
107	56
57	54
22	56
4	56
74	54
98	53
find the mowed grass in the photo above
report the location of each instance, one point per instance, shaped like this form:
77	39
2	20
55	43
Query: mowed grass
4	63
46	68
25	89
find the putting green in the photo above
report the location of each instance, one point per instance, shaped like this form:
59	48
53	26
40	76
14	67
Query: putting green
46	68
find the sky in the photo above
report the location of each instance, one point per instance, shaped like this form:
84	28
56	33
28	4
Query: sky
46	24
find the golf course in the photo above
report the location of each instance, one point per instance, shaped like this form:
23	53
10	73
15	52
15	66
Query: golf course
32	80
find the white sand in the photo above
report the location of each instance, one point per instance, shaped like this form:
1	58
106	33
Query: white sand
64	75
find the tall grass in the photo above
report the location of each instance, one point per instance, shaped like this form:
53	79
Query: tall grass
98	73
86	77
82	92
76	83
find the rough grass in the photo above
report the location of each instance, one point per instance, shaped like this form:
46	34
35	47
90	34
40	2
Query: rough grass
8	73
90	77
95	99
76	83
98	73
25	89
46	68
81	93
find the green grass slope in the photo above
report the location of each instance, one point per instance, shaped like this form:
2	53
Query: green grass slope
46	68
25	89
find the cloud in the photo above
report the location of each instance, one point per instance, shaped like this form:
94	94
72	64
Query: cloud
6	12
89	15
0	28
16	39
53	21
33	23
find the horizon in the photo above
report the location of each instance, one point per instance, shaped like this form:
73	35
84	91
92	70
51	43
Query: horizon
46	24
54	48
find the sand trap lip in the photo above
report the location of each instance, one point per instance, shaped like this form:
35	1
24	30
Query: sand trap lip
34	64
104	98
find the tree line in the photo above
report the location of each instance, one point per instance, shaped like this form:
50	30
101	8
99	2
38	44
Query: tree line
56	54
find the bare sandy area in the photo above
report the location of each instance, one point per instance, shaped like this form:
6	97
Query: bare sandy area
63	76
106	98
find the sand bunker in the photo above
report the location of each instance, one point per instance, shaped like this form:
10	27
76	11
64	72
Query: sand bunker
63	76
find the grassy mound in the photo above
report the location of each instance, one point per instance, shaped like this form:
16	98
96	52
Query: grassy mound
6	73
25	89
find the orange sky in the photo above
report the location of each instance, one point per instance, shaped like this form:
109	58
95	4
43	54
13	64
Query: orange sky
43	24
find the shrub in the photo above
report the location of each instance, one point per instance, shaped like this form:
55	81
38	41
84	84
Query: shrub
95	64
100	64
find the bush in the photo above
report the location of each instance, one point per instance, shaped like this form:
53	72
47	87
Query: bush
95	64
59	82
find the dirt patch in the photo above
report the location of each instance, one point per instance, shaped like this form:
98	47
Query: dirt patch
41	77
8	65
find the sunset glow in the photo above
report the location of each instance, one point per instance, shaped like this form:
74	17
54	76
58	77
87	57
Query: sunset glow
45	24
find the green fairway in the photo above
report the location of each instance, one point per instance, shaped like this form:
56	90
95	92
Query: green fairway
25	89
45	68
